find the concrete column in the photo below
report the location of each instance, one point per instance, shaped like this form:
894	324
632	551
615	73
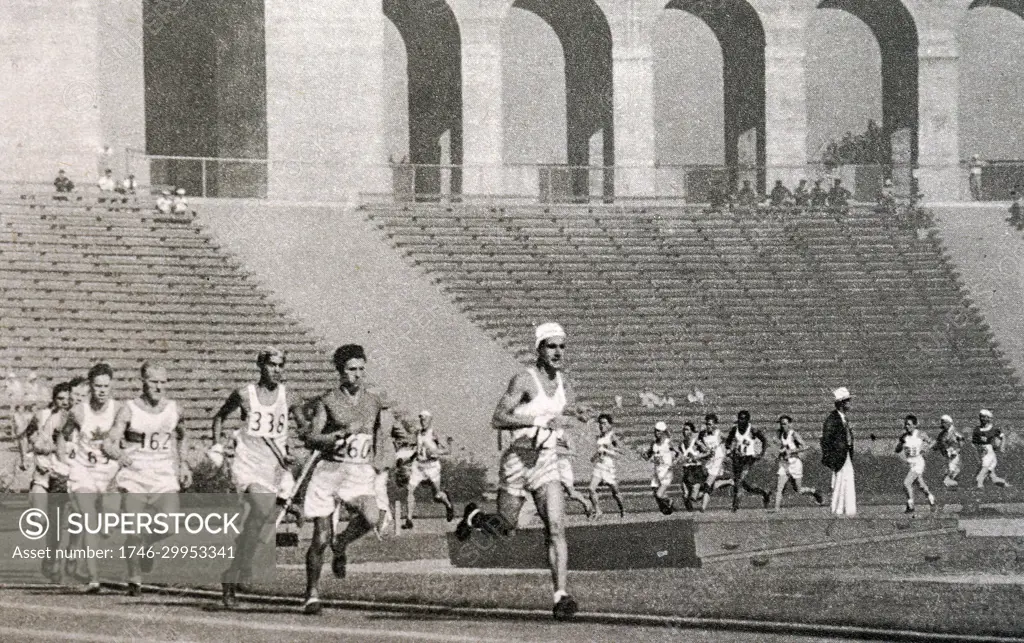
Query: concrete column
785	25
482	110
939	175
122	79
631	24
325	93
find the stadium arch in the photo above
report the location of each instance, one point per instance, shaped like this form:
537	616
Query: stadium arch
741	35
896	32
430	33
583	31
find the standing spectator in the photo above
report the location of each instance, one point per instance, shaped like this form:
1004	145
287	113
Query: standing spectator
837	455
1016	218
887	197
163	202
801	196
63	185
818	196
975	176
180	205
838	196
780	194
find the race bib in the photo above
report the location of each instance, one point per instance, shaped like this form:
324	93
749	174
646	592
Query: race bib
157	442
355	449
267	425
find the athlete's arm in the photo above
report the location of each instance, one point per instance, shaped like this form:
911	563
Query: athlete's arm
519	389
899	445
67	431
233	403
111	446
316	440
184	471
37	438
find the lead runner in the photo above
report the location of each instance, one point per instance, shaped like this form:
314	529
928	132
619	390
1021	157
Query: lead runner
532	409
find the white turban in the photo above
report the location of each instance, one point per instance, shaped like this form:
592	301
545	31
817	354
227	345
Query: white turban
986	413
547	331
841	393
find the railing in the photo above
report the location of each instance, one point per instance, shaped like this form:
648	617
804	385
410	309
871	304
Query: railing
560	183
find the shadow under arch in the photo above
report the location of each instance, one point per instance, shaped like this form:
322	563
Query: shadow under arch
433	47
740	33
1013	6
896	33
586	39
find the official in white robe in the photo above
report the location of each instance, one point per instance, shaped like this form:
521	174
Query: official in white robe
837	455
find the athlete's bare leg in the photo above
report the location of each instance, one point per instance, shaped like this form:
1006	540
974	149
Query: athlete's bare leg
364	515
260	505
323	534
578	497
551	509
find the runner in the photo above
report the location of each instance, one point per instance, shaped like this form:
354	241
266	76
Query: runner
791	466
694	473
42	441
404	437
148	439
426	467
747	445
911	446
532	408
988	440
662	453
949	443
712	443
604	464
260	460
348	431
91	469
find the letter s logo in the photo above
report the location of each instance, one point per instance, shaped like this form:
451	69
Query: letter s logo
34	523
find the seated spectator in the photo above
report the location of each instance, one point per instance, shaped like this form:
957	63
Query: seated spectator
746	197
838	196
163	202
180	205
818	196
801	197
128	186
1016	218
63	184
780	195
106	182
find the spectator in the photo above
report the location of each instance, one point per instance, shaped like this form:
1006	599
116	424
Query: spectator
801	196
63	184
180	205
746	197
838	196
163	202
819	197
975	177
106	182
780	195
887	197
128	186
1016	218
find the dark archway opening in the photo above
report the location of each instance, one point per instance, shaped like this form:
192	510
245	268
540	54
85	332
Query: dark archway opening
738	29
430	32
894	28
586	39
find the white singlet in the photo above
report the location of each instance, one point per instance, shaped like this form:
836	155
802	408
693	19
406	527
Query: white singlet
91	471
713	443
662	455
150	442
604	460
255	462
913	451
519	473
543	407
791	465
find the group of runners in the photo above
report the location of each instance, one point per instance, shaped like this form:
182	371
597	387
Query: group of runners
702	456
353	441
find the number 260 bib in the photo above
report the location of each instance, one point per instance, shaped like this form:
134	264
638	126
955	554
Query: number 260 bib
357	448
